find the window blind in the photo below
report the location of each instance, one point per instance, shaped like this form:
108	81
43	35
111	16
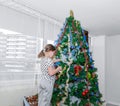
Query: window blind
17	52
18	55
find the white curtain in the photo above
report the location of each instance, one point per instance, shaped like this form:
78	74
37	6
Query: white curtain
48	32
18	53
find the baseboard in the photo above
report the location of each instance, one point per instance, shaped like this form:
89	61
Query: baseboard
110	103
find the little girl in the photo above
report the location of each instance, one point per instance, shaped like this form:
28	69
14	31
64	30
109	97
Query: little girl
47	78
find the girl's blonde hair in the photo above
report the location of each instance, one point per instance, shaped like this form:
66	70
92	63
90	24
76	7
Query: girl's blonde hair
48	47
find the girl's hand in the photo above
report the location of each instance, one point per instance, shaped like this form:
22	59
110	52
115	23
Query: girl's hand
59	68
53	71
56	60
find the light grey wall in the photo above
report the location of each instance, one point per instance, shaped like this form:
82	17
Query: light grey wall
106	51
98	55
113	69
11	19
19	22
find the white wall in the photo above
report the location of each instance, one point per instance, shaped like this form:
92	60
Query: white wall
27	24
113	69
19	22
13	95
106	53
98	54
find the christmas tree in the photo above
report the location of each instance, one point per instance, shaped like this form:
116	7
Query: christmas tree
77	84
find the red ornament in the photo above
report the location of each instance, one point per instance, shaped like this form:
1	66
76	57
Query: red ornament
86	91
88	104
77	68
83	93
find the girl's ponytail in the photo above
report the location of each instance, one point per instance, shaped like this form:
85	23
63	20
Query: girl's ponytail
48	47
41	54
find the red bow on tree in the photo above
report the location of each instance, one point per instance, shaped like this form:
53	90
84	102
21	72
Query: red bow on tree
77	68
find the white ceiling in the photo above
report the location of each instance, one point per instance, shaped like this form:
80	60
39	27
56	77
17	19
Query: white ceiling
96	16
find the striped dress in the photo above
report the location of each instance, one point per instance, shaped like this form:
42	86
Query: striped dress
46	82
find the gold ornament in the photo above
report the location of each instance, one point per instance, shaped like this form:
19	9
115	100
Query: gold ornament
71	13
